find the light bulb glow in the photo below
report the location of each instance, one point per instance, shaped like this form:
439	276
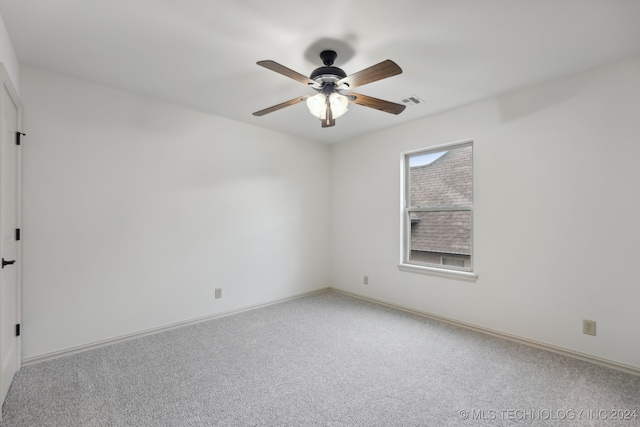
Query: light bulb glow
339	104
317	105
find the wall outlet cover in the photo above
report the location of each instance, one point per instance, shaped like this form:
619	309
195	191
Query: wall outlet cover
589	327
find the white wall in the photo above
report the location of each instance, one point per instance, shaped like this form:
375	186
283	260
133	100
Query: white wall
556	213
8	56
135	210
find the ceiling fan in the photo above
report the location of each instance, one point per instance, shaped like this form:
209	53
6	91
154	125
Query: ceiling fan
329	81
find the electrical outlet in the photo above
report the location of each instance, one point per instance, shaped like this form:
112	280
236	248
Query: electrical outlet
589	327
366	280
218	293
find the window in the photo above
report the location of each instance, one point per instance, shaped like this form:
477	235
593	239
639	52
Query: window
438	209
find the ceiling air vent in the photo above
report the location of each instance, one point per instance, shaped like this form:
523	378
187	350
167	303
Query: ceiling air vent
411	100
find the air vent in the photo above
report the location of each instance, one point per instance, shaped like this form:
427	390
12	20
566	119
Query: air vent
411	100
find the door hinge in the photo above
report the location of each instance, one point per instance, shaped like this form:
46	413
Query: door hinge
17	234
19	136
18	330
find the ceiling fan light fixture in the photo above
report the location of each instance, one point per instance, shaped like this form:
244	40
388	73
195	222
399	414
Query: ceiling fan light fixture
317	105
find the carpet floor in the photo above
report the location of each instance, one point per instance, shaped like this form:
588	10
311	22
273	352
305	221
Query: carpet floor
325	359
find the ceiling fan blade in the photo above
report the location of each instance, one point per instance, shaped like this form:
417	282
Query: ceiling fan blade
281	106
378	104
274	66
374	73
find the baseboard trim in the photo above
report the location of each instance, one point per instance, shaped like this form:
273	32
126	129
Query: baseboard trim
97	344
541	345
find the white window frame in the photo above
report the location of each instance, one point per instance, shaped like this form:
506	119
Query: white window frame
406	264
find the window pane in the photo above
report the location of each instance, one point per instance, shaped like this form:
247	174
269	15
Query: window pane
441	179
456	262
435	235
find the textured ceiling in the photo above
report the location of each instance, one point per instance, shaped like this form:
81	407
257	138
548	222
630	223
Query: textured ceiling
202	53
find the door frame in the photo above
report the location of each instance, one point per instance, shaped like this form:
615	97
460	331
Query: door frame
6	82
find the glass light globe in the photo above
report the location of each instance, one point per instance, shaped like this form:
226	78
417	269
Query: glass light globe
317	105
339	104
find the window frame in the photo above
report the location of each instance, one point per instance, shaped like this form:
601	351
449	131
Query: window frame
405	221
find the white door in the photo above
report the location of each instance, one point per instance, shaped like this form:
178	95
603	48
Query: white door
9	251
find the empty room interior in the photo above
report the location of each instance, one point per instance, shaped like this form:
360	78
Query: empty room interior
449	241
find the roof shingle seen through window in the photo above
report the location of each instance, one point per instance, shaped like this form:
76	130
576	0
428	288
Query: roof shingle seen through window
447	181
445	232
444	182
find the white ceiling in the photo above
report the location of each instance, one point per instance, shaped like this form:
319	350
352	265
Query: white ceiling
202	53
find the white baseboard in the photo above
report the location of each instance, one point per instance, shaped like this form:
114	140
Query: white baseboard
97	344
555	349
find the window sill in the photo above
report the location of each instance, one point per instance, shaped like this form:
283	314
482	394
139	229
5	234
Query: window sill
452	274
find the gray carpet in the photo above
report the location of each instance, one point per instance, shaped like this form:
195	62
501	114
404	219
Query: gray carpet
322	360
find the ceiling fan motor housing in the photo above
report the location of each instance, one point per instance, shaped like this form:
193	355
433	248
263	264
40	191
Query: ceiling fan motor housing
328	73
